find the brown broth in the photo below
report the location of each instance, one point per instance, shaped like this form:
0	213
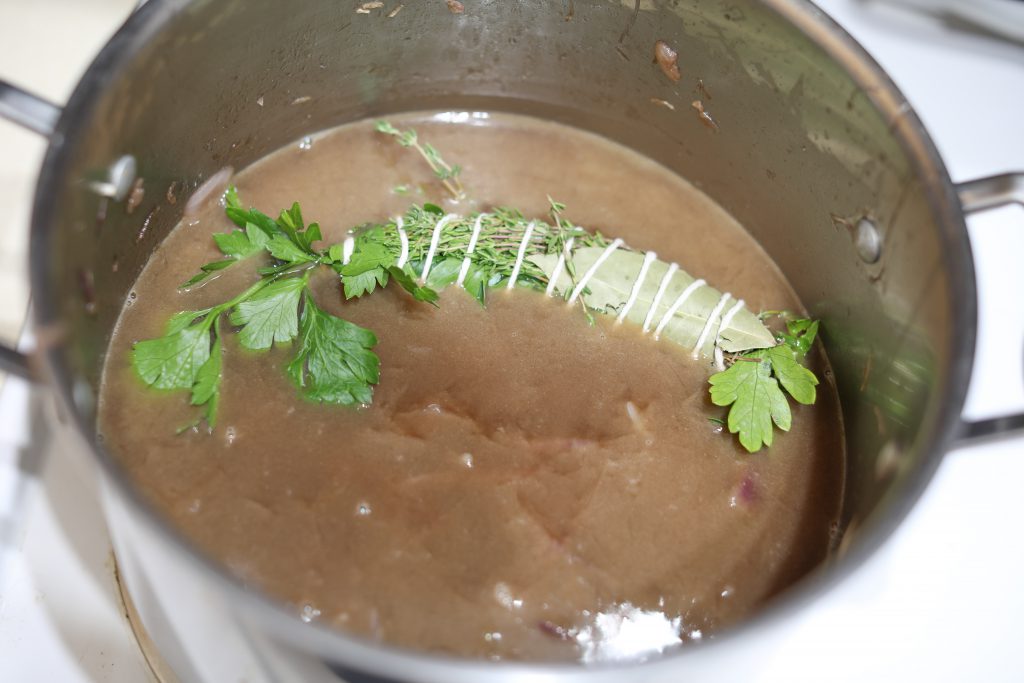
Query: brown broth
497	499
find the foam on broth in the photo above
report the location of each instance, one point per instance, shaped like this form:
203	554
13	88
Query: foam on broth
525	486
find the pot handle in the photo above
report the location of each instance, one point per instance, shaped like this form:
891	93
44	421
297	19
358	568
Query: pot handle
979	195
28	110
39	116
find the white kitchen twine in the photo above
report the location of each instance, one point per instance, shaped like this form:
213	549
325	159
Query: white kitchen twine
434	239
581	285
680	300
559	266
649	258
715	312
464	270
659	294
520	255
404	239
347	247
719	358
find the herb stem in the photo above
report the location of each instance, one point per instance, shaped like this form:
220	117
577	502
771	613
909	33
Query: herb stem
448	174
443	171
257	286
302	268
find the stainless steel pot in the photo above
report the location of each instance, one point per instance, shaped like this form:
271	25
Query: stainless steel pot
817	154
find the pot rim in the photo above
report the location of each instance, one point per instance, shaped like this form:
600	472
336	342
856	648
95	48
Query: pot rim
364	655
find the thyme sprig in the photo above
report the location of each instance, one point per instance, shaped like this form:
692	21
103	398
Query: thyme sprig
446	173
493	259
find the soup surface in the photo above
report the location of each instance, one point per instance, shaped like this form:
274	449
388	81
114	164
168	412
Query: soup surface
525	485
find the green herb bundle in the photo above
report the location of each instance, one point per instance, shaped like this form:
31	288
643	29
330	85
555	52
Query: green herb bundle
333	359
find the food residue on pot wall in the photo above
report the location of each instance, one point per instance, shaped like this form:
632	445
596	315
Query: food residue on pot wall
704	117
668	59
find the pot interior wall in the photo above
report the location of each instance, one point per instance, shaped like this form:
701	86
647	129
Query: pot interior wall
802	152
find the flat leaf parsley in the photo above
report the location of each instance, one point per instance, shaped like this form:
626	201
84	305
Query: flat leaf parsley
750	387
334	361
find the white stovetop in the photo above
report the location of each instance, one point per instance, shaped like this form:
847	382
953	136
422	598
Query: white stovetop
944	600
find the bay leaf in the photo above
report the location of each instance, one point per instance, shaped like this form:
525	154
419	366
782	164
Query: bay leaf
610	287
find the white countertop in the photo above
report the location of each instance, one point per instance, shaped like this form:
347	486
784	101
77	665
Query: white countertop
942	601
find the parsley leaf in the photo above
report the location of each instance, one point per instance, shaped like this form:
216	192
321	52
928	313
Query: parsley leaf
287	238
364	283
236	245
180	321
243	217
800	335
366	256
183	359
240	244
798	381
271	315
284	248
173	360
206	390
408	283
750	387
290	223
205	271
756	401
232	202
334	363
